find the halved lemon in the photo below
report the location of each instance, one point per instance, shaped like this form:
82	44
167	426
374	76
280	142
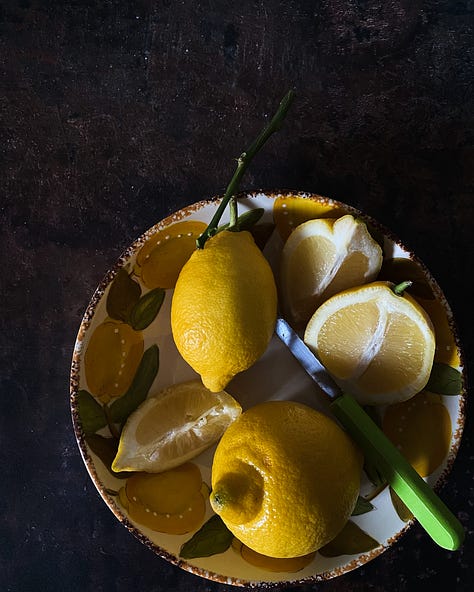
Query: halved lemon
379	346
322	257
174	426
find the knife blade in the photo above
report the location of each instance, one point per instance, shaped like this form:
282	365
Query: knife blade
430	511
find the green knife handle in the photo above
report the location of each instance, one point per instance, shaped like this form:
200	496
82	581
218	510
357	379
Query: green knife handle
438	521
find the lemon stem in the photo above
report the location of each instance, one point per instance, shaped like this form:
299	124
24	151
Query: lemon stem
243	162
233	213
221	499
401	287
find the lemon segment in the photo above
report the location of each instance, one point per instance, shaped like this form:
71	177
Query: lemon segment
285	479
174	426
223	310
378	346
322	257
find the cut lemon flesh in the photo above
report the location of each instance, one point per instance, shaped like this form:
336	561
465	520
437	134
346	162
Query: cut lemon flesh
322	257
378	346
173	427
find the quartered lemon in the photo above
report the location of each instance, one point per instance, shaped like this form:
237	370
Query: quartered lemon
174	426
322	257
285	479
379	346
163	255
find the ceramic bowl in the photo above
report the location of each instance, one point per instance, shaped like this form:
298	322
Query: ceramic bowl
383	519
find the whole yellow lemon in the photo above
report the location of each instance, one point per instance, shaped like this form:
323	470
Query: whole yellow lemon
223	310
285	479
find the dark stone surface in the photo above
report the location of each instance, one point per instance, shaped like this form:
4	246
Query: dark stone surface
115	114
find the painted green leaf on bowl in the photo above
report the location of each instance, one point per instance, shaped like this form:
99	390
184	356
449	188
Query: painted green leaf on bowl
212	538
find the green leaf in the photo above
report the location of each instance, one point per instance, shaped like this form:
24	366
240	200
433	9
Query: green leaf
91	412
362	506
146	309
249	218
212	538
124	293
350	541
444	380
245	221
403	512
138	390
106	450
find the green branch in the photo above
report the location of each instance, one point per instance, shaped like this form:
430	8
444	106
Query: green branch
243	162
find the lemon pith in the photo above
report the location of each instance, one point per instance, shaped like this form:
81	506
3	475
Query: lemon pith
285	479
223	310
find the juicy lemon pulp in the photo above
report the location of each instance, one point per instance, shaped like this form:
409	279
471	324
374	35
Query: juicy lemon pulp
322	257
223	310
174	426
285	479
377	345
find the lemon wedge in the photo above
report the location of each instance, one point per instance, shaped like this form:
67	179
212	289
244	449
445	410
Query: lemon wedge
379	346
322	257
174	426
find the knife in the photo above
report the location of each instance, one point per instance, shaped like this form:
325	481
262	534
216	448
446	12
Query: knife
433	515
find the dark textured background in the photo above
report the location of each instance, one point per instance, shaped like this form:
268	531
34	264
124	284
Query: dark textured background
116	113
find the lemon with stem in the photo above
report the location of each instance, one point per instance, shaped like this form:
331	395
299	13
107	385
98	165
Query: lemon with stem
223	310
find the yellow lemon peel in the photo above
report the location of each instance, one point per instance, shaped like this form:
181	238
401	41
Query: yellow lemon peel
223	310
308	477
